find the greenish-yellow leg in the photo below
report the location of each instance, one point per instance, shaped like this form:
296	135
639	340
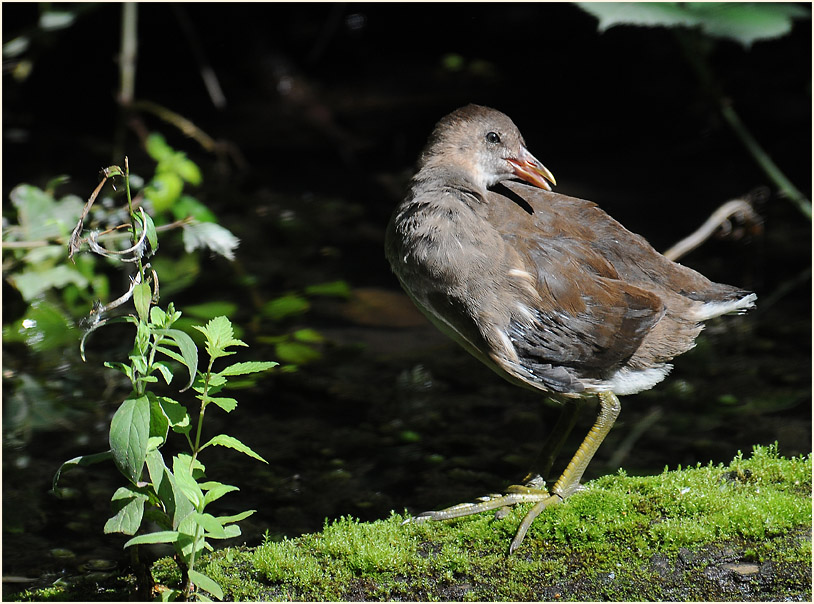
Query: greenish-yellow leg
557	436
565	486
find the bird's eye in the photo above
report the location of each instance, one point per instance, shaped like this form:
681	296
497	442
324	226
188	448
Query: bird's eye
493	137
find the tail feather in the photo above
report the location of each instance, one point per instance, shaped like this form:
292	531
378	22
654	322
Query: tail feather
722	307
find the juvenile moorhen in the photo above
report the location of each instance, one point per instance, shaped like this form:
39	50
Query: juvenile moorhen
547	290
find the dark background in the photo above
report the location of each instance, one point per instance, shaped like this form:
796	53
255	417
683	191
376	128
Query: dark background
329	105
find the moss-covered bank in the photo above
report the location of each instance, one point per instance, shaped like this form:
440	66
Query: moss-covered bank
741	532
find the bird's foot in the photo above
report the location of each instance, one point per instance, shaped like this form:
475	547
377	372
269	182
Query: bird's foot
533	491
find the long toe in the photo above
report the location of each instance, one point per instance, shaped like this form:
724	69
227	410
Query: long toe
514	494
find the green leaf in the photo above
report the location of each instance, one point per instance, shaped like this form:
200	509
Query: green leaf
746	22
176	504
169	595
285	306
217	491
186	483
139	363
176	413
155	468
187	544
170	353
236	517
211	525
187	348
164	190
129	432
612	14
158	318
188	206
209	310
225	403
142	298
224	440
165	371
157	147
149	226
219	335
156	537
128	509
40	216
339	289
231	531
248	367
742	22
81	461
36	280
212	236
216	383
188	170
159	424
44	327
157	516
205	583
310	336
296	352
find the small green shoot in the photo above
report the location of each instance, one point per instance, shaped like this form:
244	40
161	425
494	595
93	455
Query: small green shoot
172	494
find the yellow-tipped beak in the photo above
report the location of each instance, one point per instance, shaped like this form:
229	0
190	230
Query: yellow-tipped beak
529	168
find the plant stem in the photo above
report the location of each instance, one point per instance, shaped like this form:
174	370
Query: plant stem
787	189
696	54
133	236
127	56
204	396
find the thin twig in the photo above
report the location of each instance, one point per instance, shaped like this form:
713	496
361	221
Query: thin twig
127	56
179	121
108	235
208	75
739	209
785	186
74	242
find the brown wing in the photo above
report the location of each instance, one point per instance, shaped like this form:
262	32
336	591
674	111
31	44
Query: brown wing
630	254
587	318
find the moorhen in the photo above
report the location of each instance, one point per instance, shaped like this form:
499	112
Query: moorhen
547	290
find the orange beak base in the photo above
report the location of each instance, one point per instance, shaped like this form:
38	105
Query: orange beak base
528	168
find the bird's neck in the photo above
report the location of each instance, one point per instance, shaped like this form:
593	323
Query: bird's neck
433	179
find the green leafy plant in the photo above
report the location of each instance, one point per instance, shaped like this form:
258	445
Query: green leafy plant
696	26
742	22
176	495
40	223
54	294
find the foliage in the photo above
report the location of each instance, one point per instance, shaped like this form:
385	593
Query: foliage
175	496
35	243
299	346
55	294
742	22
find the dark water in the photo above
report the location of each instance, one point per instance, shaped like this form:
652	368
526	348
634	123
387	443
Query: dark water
329	105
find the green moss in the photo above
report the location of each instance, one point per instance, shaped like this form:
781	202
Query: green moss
737	532
622	538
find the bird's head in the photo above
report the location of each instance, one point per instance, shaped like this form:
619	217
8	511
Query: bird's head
486	145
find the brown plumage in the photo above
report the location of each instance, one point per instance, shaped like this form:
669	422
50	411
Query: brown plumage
545	289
